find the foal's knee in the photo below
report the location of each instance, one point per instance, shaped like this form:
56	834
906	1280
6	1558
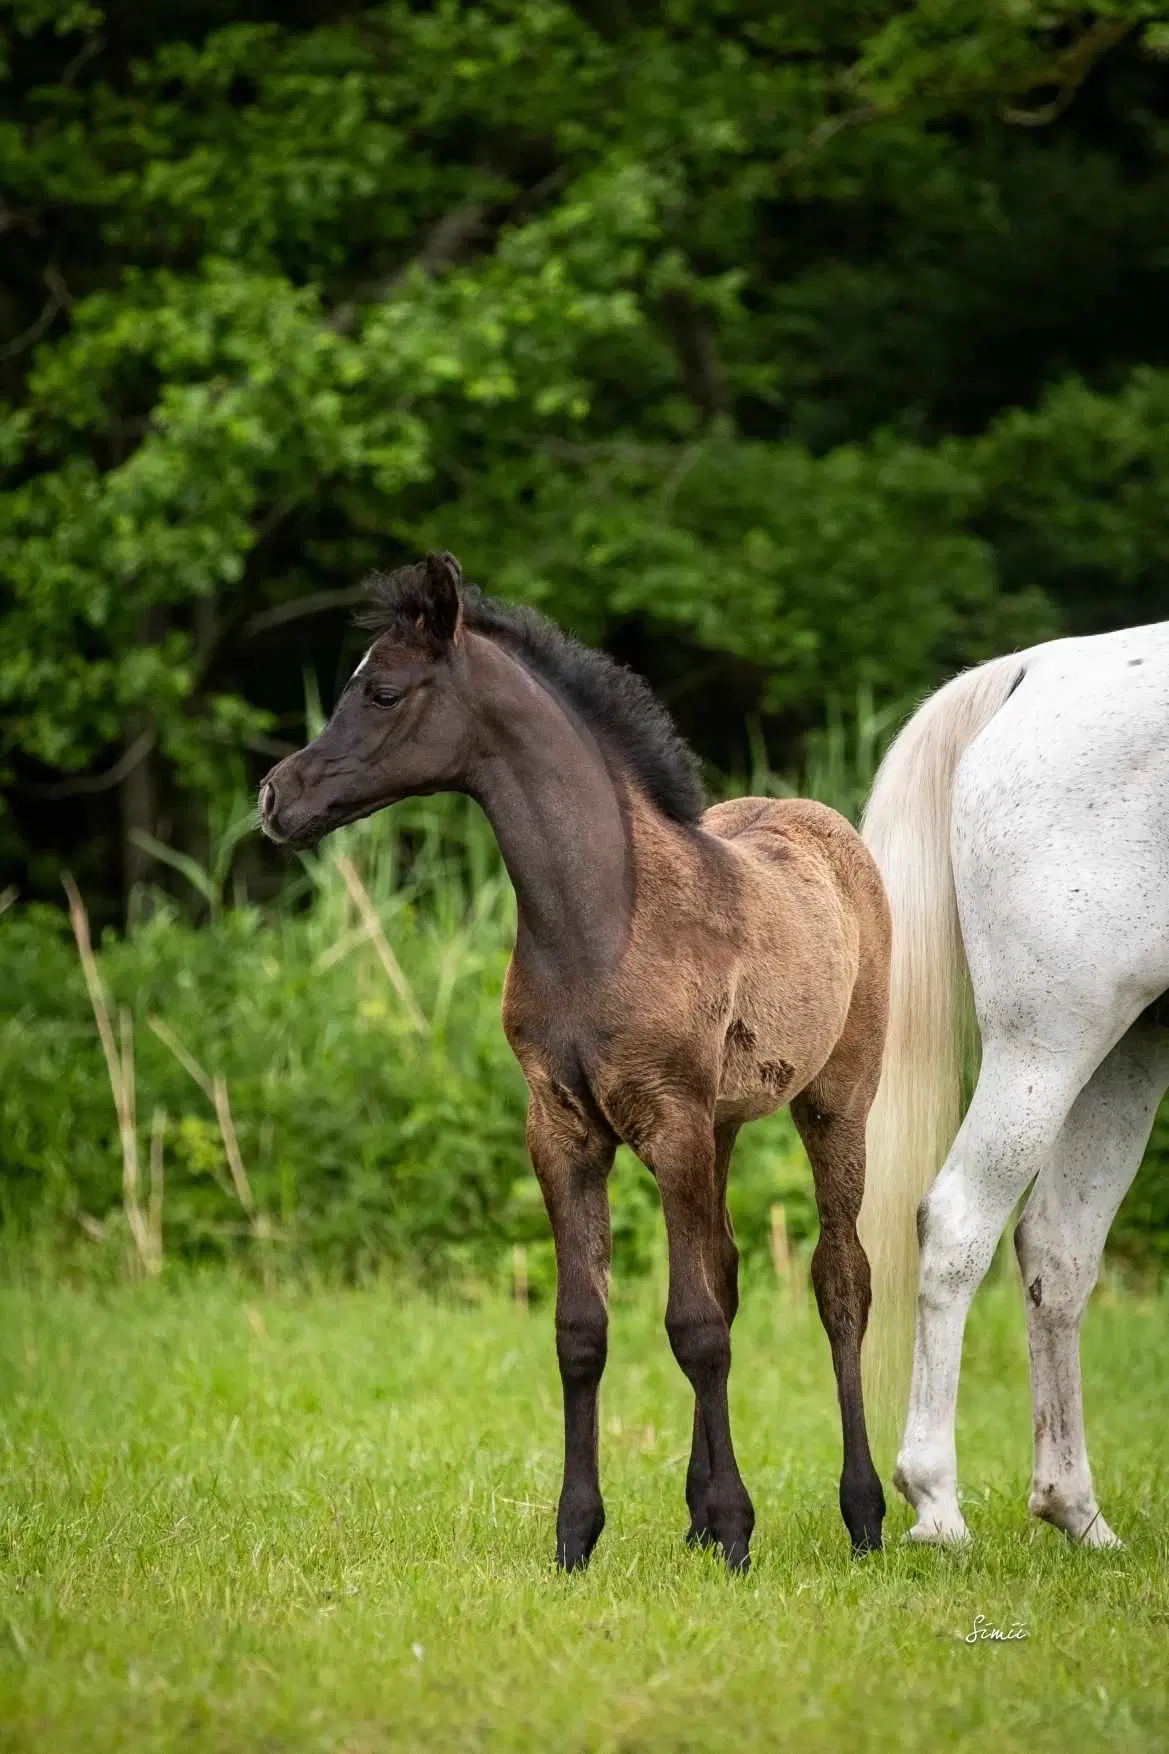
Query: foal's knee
701	1343
582	1346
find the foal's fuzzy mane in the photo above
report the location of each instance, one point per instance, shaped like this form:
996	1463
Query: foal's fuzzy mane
616	703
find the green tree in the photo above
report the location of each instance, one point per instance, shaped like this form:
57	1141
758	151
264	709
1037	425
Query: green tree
699	325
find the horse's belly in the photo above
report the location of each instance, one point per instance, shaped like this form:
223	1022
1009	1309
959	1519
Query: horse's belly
763	1068
749	1106
783	1027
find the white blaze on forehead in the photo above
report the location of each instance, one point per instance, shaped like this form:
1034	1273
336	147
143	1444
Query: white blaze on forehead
362	664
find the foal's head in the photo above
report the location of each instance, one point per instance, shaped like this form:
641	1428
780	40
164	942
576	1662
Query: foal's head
401	728
427	700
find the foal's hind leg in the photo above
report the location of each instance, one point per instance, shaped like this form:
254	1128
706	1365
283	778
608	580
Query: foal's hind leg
727	1291
572	1165
1059	1241
835	1144
682	1155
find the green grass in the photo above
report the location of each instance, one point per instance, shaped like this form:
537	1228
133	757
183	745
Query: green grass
324	1522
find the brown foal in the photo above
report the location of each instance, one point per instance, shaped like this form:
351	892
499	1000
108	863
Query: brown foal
676	973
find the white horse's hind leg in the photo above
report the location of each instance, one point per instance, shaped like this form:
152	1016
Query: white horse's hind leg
1021	1102
1056	811
1059	1241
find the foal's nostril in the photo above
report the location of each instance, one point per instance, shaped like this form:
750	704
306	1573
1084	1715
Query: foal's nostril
267	799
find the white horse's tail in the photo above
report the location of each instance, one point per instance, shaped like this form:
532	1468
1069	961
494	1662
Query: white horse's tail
918	1105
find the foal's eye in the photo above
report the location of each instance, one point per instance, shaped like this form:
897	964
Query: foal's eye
385	696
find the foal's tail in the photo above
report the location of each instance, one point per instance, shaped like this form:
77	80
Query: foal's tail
918	1105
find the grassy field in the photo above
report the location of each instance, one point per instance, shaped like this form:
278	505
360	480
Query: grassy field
324	1522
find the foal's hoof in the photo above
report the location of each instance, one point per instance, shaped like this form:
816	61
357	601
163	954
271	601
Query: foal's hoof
864	1516
726	1522
575	1541
864	1526
736	1549
700	1538
573	1555
738	1557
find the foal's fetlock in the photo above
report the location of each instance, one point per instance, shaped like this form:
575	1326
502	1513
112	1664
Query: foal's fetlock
578	1529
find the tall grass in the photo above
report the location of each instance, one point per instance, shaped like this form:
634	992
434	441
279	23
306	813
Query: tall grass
334	1063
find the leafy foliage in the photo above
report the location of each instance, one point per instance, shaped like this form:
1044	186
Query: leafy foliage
717	333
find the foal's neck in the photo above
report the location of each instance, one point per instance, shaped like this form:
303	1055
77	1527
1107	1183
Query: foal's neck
551	799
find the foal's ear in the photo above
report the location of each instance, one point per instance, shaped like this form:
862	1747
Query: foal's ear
442	609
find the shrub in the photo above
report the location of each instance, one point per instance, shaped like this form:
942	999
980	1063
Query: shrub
379	1115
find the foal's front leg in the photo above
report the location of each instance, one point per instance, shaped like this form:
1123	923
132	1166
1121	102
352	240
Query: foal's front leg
682	1155
572	1161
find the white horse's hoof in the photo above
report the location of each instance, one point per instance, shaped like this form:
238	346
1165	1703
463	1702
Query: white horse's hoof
934	1532
1083	1526
1094	1533
931	1498
1098	1534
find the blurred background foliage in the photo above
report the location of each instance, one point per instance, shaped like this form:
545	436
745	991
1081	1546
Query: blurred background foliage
797	354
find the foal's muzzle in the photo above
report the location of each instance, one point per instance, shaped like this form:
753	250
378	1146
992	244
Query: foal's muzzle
270	801
291	809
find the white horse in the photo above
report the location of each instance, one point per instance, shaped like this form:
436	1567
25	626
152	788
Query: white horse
1021	824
